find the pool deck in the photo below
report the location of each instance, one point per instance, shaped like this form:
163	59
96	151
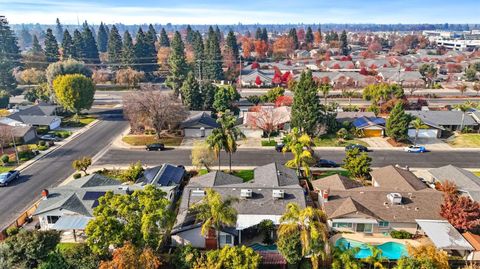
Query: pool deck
375	239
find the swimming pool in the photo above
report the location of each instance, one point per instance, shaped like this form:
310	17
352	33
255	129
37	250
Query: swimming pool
390	250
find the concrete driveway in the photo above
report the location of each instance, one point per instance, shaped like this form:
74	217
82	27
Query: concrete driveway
433	144
377	142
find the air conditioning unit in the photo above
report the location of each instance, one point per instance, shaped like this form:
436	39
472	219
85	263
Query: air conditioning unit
246	193
278	194
198	193
395	198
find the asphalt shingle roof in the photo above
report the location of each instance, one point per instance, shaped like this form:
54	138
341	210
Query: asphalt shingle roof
398	179
443	117
465	180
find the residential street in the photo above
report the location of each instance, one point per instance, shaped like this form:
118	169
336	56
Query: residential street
255	157
55	167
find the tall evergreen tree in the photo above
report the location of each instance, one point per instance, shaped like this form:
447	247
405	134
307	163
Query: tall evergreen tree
293	35
151	50
190	34
264	36
9	56
59	30
78	45
114	48
199	55
26	37
320	32
68	49
309	36
306	110
258	34
231	44
141	51
102	38
36	47
213	57
128	50
397	123
178	64
191	95
164	41
344	43
51	47
90	46
218	33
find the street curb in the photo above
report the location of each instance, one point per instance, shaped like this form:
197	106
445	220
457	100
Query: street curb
50	150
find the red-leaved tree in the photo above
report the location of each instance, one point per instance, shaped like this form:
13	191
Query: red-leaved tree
258	81
284	101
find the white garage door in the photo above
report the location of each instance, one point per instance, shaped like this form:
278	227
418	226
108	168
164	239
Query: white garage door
424	133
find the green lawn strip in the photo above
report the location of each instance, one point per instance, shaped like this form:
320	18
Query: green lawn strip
81	122
114	87
271	143
466	141
142	140
477	173
4	169
333	172
63	246
332	141
246	175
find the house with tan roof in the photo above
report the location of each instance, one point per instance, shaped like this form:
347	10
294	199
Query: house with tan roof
396	199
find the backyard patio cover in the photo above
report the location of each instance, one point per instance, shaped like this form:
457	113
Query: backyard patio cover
71	223
246	221
444	235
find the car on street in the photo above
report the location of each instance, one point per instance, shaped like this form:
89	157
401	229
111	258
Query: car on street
7	177
155	147
415	149
50	137
360	148
279	148
326	163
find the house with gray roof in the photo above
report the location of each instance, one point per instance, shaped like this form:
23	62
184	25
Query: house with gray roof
198	124
37	115
439	121
263	198
467	182
396	199
250	77
167	177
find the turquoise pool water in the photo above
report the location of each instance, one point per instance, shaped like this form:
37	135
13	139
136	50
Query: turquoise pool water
390	250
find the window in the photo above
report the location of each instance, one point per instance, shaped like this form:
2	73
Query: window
226	239
342	225
52	219
383	224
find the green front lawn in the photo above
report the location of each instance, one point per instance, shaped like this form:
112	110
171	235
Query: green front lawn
271	143
246	175
81	122
4	169
477	173
142	140
333	172
465	141
333	141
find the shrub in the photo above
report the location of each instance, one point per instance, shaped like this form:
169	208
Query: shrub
184	257
401	234
42	143
77	175
44	147
5	159
343	134
133	172
13	230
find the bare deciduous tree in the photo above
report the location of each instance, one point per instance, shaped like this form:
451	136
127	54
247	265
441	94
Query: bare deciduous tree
268	119
129	77
153	109
5	136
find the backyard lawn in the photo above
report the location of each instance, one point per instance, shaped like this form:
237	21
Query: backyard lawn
333	141
465	141
142	140
332	172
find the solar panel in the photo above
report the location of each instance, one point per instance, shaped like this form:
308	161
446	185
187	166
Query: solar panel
93	195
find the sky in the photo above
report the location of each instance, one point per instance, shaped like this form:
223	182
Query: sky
241	11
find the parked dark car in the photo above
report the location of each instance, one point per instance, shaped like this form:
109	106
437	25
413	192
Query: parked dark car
155	147
7	177
360	148
279	148
326	163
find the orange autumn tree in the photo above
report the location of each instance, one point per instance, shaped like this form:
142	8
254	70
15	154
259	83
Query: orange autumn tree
461	211
130	257
261	49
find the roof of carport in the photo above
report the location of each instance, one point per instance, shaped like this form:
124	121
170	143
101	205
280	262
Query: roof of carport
444	235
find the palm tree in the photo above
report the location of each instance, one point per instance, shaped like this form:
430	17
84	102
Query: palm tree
345	258
464	108
214	212
311	224
225	137
418	124
300	146
375	258
325	89
349	93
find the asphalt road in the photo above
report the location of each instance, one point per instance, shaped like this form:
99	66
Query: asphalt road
55	167
255	157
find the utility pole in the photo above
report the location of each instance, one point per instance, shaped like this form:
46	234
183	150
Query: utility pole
15	146
240	72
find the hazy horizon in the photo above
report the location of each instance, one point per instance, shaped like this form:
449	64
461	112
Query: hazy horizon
245	12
